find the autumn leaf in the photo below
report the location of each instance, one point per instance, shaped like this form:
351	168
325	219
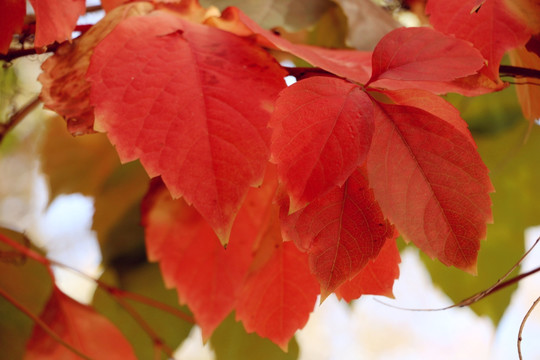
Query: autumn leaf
79	326
492	29
433	104
11	21
279	295
431	183
200	111
529	93
423	54
341	231
377	277
528	11
207	276
322	132
55	21
65	89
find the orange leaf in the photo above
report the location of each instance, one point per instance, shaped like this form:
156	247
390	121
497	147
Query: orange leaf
81	327
206	275
528	94
56	20
171	93
65	89
431	183
423	54
493	29
278	297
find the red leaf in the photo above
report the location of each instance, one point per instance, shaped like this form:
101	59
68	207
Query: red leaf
322	132
434	105
56	20
473	85
11	21
340	231
65	89
493	29
355	65
172	94
279	295
529	93
377	277
423	54
81	327
431	183
206	275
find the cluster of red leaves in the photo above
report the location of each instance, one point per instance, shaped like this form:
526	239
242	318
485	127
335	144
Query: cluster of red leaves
361	153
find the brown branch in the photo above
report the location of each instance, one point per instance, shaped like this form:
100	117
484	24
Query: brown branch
518	72
499	285
18	117
303	72
42	325
523	326
116	292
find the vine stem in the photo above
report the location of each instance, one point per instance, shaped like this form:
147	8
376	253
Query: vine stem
522	326
42	325
116	293
499	285
18	116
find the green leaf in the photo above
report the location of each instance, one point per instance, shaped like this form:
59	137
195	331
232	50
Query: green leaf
231	342
8	89
290	14
29	283
76	164
146	280
515	173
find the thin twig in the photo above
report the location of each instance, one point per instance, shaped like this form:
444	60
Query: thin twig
499	285
42	325
115	292
302	72
18	117
523	326
109	289
516	71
